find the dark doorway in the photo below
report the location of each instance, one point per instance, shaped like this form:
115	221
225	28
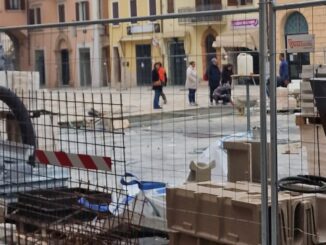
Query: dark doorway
296	61
178	63
106	80
210	50
296	24
117	64
85	67
40	65
144	64
65	68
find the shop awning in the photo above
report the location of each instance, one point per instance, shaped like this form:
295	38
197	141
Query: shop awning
237	39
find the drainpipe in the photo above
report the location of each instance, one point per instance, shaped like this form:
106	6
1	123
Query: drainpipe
162	31
97	47
28	36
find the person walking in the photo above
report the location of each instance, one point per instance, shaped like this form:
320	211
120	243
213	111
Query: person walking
283	79
157	86
192	83
163	79
214	77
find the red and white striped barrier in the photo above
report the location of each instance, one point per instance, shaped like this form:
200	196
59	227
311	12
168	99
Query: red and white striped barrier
63	159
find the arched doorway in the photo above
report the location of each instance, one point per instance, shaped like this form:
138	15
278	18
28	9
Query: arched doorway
63	50
296	24
8	52
210	50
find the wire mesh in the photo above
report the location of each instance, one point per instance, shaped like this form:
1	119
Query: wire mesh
94	158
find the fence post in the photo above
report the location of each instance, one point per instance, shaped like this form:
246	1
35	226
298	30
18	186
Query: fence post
273	122
263	121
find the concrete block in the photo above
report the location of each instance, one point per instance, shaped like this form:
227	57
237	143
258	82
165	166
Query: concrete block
225	214
239	161
302	213
178	238
310	142
244	161
200	172
320	218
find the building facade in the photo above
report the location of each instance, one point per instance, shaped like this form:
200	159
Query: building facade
90	57
64	57
136	46
302	21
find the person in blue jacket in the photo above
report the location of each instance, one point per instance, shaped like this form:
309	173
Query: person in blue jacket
283	78
214	78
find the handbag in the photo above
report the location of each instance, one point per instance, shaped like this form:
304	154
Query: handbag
157	83
205	77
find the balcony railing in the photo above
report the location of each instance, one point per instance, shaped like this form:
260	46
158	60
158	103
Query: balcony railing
200	8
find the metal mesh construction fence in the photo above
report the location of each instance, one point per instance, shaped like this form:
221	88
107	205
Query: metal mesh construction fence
99	146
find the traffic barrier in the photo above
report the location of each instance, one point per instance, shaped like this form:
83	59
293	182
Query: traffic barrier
63	159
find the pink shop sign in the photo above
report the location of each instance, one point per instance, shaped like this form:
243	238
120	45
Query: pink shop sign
245	23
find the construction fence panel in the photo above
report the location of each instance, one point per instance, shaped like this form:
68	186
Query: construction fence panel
149	130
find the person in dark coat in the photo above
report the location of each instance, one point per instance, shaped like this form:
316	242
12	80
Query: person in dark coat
227	72
157	86
214	78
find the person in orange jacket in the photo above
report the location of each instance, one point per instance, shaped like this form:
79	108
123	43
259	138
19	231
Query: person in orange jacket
163	79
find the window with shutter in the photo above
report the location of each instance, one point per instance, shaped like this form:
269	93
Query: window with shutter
133	9
38	16
34	16
22	4
61	13
245	2
204	5
77	11
232	2
152	7
31	16
115	11
14	4
82	11
170	6
86	6
7	4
